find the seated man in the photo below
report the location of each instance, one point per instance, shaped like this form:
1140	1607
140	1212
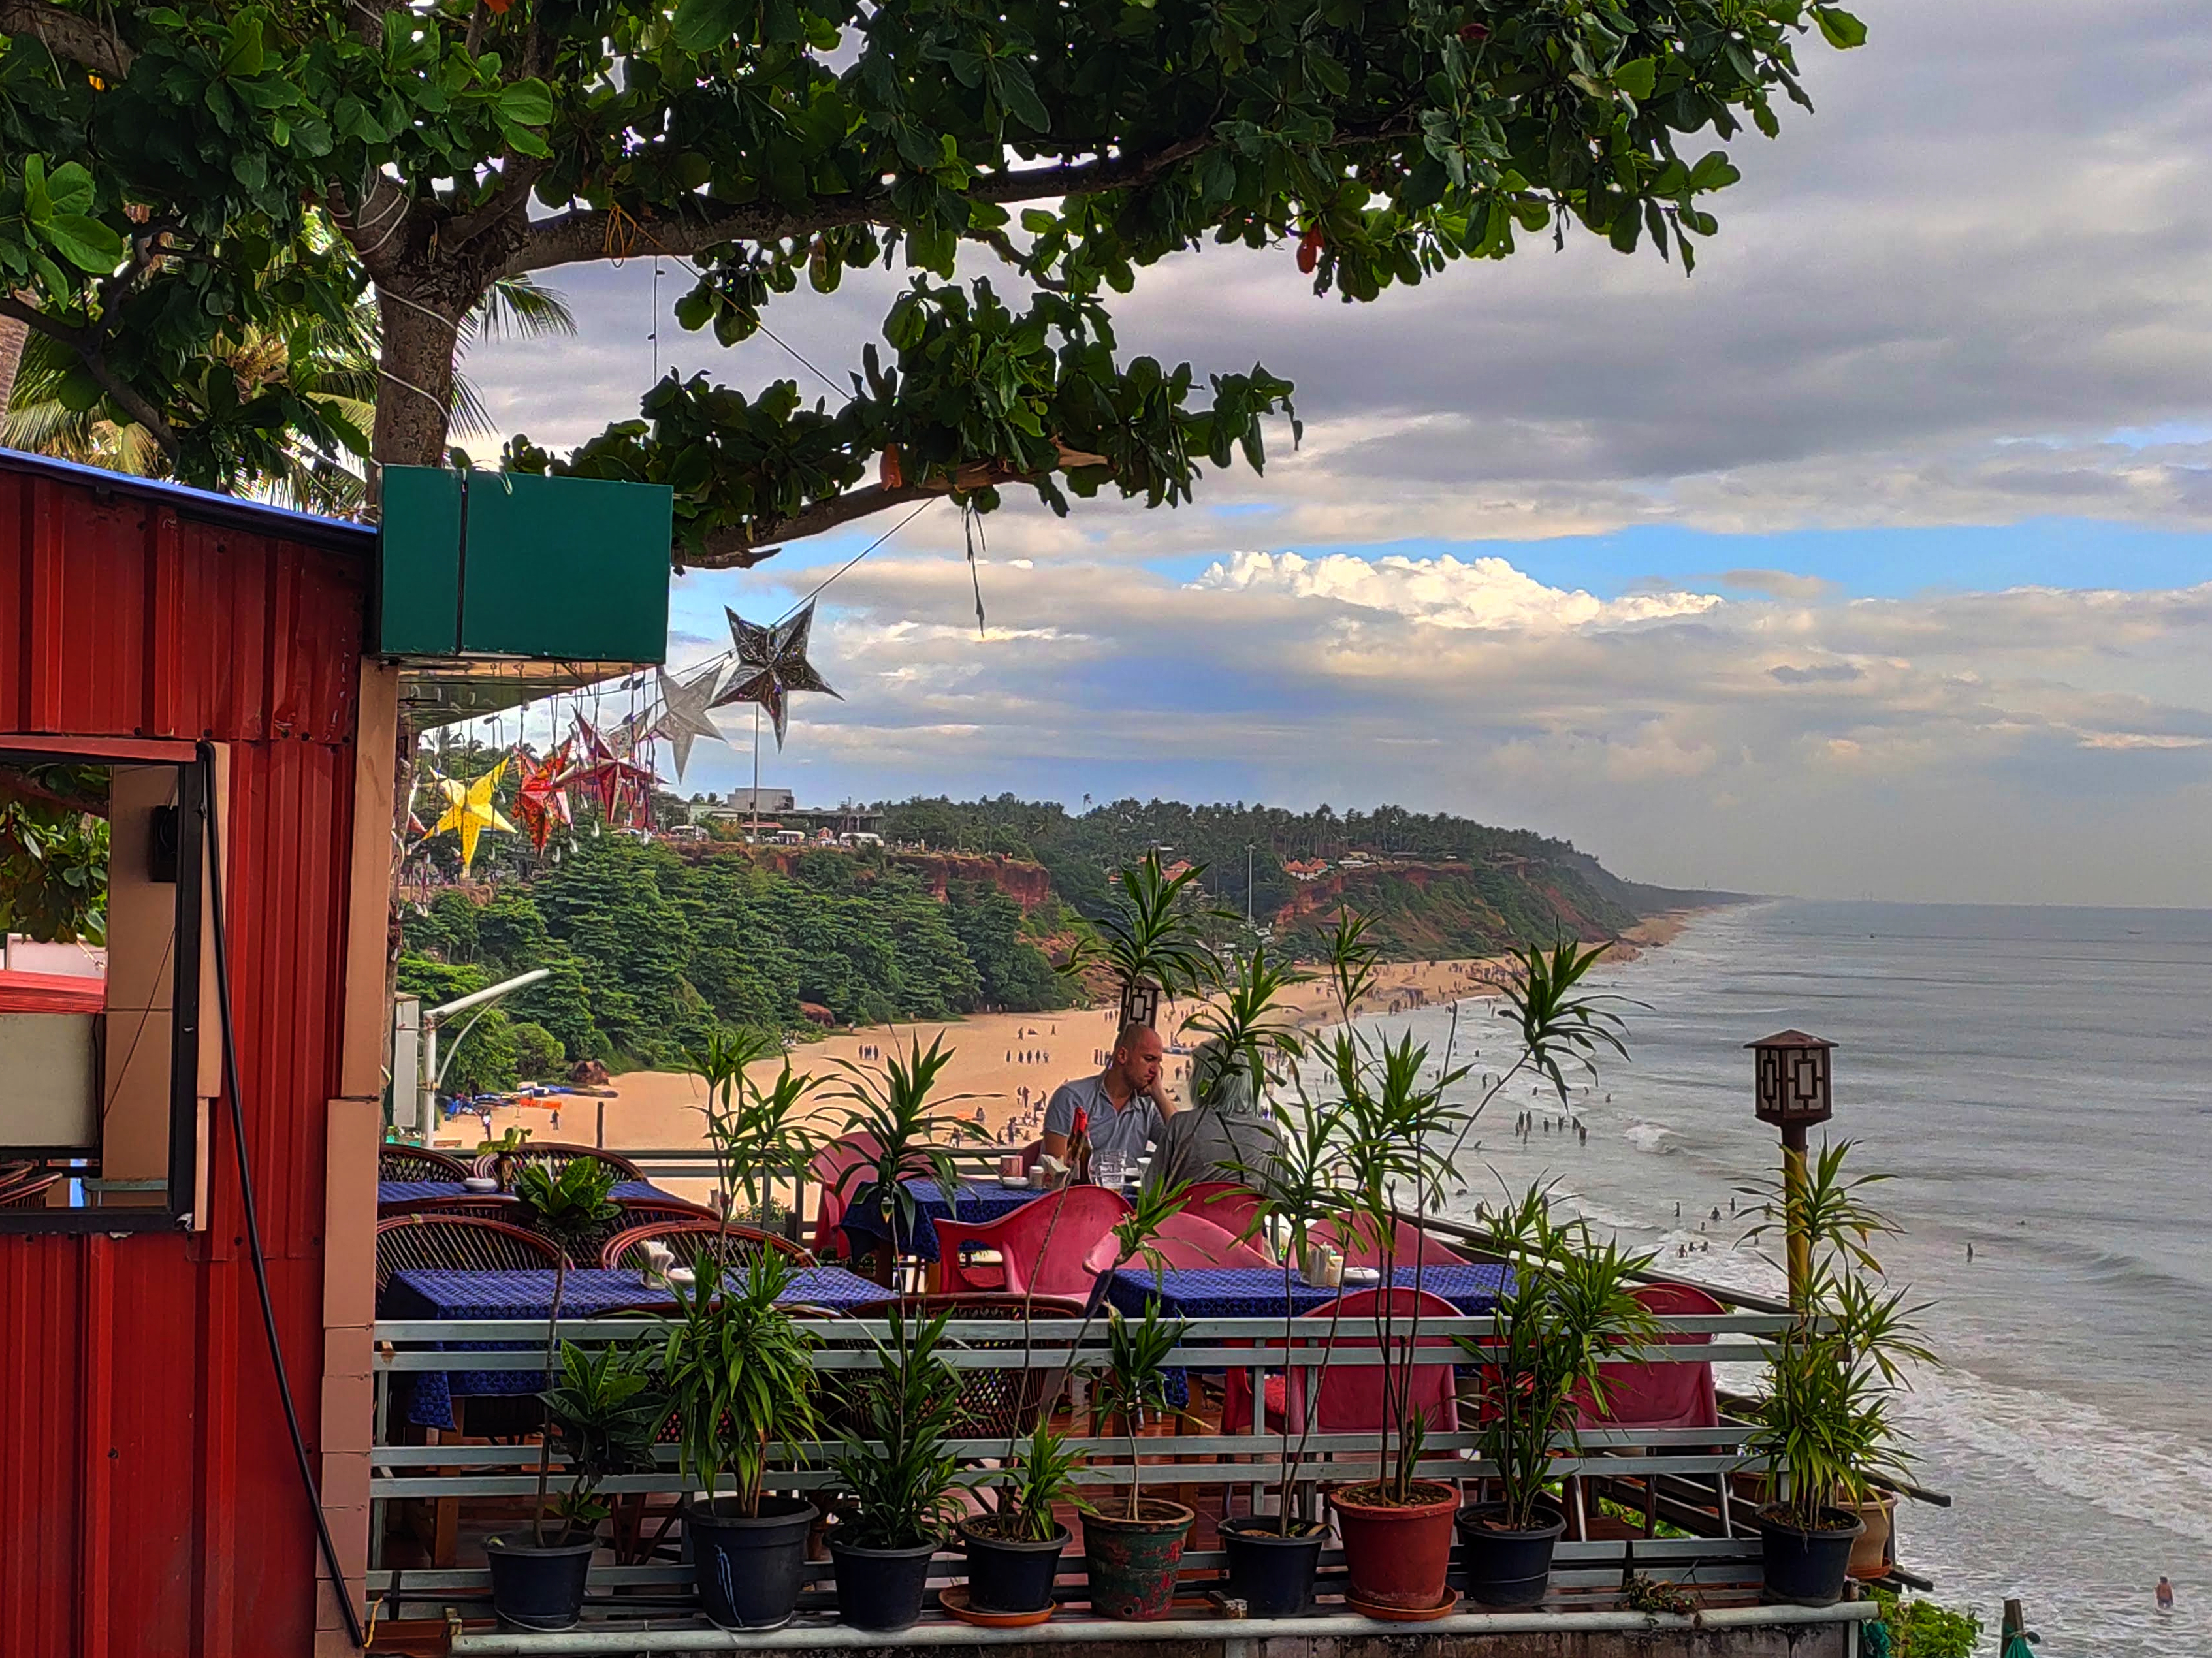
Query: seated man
1119	1108
1225	1134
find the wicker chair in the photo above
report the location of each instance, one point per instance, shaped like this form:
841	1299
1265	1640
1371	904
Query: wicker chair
478	1205
693	1241
993	1404
648	1211
503	1166
25	1185
430	1243
419	1163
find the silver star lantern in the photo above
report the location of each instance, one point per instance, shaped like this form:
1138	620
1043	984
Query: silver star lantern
771	664
683	706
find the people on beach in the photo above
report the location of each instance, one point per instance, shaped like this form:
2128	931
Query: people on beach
2165	1596
1120	1108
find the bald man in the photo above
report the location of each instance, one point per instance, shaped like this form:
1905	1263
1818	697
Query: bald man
1121	1108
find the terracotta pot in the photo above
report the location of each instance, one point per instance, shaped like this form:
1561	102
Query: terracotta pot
1870	1555
1398	1554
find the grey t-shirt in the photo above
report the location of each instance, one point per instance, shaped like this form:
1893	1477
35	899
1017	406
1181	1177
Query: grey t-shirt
1122	1131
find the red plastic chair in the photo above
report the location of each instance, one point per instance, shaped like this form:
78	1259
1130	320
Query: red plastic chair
1352	1394
1235	1209
1042	1245
1410	1244
1672	1396
1182	1240
832	1164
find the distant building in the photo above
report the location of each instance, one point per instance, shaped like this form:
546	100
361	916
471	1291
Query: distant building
1306	869
742	802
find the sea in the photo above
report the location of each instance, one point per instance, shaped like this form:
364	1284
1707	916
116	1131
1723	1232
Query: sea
2037	1084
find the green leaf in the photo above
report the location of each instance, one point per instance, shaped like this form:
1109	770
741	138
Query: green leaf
243	56
1037	221
1839	27
703	24
69	190
85	243
38	205
1636	78
526	103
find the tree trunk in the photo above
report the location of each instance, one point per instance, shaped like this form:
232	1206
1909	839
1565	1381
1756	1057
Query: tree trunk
415	397
12	337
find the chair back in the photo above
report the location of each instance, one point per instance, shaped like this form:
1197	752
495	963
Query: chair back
994	1404
25	1185
1674	1395
483	1206
644	1212
424	1242
419	1163
1044	1244
1182	1240
504	1166
692	1241
1235	1209
1362	1245
830	1171
1352	1395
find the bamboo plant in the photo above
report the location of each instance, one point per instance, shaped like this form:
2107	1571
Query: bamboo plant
1570	1302
570	1207
1825	1427
1134	1383
903	1479
740	1371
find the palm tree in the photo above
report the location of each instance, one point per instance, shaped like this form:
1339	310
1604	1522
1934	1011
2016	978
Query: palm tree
332	362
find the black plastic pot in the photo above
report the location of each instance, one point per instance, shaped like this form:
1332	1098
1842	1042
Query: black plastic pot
1807	1568
1505	1568
534	1588
749	1569
1273	1574
880	1589
1005	1575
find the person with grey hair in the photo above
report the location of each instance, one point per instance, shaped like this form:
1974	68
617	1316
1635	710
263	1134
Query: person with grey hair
1224	1134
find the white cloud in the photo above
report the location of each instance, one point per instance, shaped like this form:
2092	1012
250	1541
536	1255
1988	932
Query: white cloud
1444	590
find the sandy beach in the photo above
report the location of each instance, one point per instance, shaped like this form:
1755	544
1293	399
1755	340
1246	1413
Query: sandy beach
1005	1066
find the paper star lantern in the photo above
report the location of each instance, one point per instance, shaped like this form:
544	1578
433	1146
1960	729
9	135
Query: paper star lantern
469	809
540	800
684	707
771	664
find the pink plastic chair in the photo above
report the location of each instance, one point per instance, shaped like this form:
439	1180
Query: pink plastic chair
1182	1240
1352	1394
1231	1207
1039	1255
830	1167
1411	1244
1673	1395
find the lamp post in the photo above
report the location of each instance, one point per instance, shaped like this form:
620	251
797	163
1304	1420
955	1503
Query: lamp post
1790	1080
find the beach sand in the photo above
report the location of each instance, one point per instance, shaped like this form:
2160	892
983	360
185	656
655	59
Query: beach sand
1004	1064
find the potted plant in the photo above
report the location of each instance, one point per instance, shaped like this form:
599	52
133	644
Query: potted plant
1824	1428
1133	1558
1570	1301
569	1207
605	1409
758	1133
902	1478
739	1369
1014	1550
891	1108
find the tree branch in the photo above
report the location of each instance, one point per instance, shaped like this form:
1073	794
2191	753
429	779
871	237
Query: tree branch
69	36
518	176
733	549
585	234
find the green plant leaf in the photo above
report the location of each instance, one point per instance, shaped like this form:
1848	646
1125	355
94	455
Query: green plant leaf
1839	27
85	243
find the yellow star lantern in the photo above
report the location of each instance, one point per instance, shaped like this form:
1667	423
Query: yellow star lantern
469	809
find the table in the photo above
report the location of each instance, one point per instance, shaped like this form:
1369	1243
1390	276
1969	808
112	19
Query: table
864	1226
1257	1291
591	1292
412	1191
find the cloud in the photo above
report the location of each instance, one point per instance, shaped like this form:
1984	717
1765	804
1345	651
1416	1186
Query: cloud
2020	745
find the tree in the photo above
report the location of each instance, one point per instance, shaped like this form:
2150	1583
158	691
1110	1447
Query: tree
156	161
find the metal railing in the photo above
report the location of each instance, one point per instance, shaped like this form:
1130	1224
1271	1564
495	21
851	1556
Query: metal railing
1683	1462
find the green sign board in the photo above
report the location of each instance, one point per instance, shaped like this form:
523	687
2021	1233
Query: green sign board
515	565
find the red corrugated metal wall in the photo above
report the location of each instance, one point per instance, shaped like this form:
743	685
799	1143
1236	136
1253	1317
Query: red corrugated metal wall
148	1503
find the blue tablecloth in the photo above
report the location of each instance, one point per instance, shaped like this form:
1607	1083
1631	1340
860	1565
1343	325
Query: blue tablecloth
1257	1291
408	1191
589	1293
865	1227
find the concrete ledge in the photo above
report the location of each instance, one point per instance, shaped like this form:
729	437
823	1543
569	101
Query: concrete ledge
1722	1632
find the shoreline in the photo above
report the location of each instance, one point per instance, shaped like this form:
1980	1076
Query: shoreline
1003	1065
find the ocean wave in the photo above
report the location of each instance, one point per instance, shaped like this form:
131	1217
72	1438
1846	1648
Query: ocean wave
1651	1137
2070	1447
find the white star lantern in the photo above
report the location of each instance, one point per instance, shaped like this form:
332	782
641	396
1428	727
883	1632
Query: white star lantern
683	706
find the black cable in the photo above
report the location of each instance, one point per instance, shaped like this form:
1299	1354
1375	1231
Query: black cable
246	1206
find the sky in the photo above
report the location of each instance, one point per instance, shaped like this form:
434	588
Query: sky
1873	560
